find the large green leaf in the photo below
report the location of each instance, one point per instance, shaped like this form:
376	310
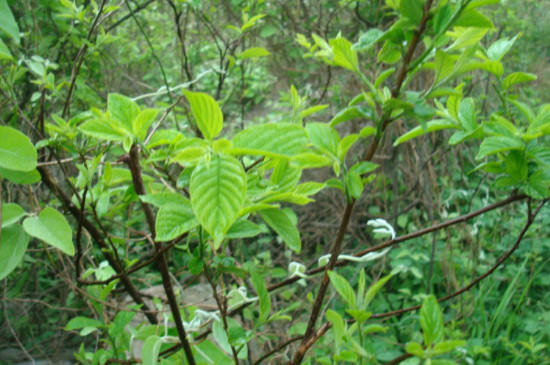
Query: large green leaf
173	220
123	109
492	145
11	213
51	227
217	189
8	24
431	321
271	139
20	177
467	114
104	128
13	245
207	113
16	150
283	225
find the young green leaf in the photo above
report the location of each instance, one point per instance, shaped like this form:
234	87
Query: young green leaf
5	53
431	126
122	109
375	288
431	321
263	295
150	351
366	40
51	227
280	222
344	55
253	52
207	113
447	346
217	189
17	153
516	78
271	139
13	245
338	327
414	348
343	288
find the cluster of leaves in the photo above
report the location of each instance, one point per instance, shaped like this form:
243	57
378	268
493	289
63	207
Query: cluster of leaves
197	199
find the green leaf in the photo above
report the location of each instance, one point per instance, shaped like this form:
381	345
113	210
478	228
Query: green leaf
263	295
343	288
473	18
516	166
103	128
432	126
16	150
122	109
161	199
51	227
253	52
5	53
88	325
338	326
8	25
271	139
345	145
281	223
243	228
13	245
466	37
344	55
444	66
498	49
516	78
467	114
142	121
217	189
492	145
414	348
375	288
207	113
314	109
447	346
431	321
350	113
354	184
323	137
21	177
366	40
150	351
173	220
411	9
11	213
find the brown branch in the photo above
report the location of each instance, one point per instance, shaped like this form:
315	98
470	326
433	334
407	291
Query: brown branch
135	170
78	61
500	261
277	349
98	238
337	246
